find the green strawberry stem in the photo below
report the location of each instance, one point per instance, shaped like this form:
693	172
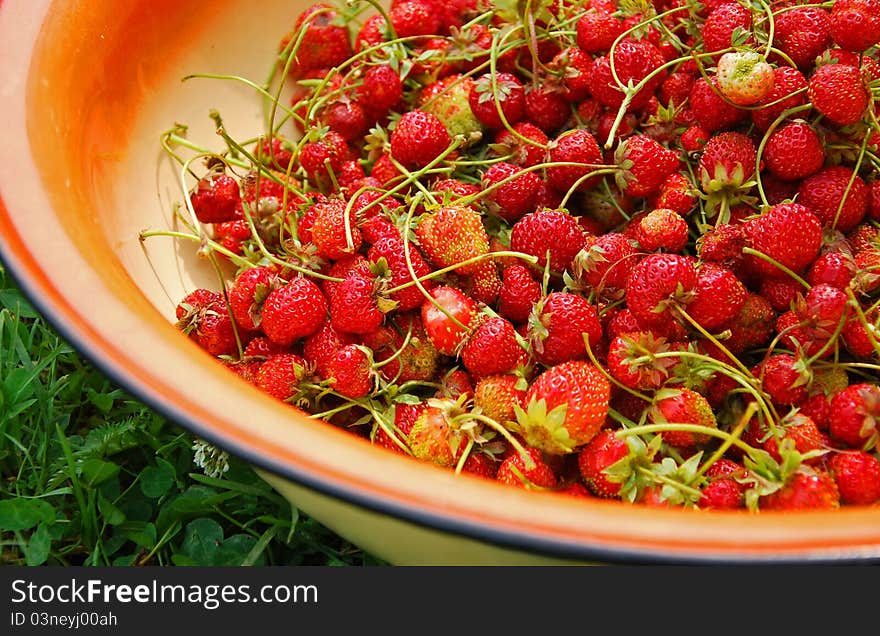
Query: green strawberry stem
589	175
274	259
533	260
412	273
398	352
735	434
667	481
852	178
771	26
610	377
464	456
681	311
262	90
832	340
498	428
213	245
212	257
782	268
746	380
863	319
688	428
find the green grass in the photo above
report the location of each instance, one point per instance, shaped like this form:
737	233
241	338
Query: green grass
91	476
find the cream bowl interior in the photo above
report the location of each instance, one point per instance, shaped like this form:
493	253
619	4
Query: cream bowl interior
88	89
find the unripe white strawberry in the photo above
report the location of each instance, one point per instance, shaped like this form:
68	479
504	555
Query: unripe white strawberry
744	77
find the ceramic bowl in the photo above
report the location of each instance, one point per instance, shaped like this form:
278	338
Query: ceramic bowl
88	87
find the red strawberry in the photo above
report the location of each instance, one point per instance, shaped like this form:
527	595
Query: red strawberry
787	92
788	233
694	139
634	60
354	307
597	30
497	395
802	34
601	452
838	92
492	348
855	24
719	296
323	156
448	322
405	415
857	475
552	231
503	92
781	292
855	413
320	348
281	374
794	152
345	117
727	162
518	294
784	378
333	232
546	108
823	192
526	473
418	139
247	294
801	430
643	165
682	406
662	229
452	235
631	360
832	268
723	491
294	311
658	284
565	407
574	146
807	489
558	326
351	372
215	198
605	262
324	42
752	326
722	23
393	251
525	144
744	77
515	196
480	465
675	193
381	91
203	316
710	111
261	348
414	17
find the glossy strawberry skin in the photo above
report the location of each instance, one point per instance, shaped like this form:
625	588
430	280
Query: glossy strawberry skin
446	335
789	233
601	452
294	311
563	321
857	475
548	230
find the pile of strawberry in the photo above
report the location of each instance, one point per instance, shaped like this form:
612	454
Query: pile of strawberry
608	248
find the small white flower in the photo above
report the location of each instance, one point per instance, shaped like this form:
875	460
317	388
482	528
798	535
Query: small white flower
213	461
